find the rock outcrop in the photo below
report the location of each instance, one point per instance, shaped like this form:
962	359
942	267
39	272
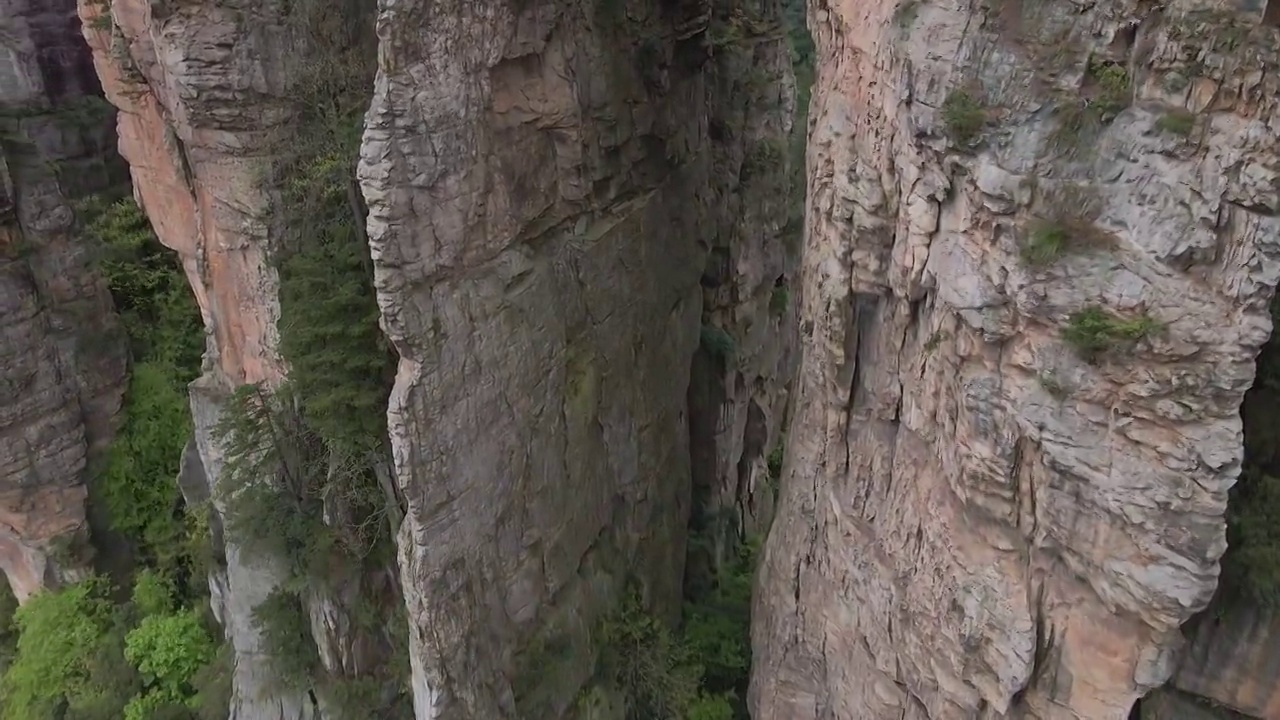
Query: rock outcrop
1041	244
545	180
1231	661
200	91
62	353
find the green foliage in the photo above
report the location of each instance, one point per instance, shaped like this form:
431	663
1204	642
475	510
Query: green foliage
774	462
711	707
1094	330
1112	92
153	593
60	636
8	627
964	117
166	336
700	673
168	650
764	157
339	361
1051	384
147	284
1050	239
102	662
139	484
1079	123
1251	567
779	300
1177	122
278	477
286	636
646	661
935	339
1046	243
718	342
717	626
212	684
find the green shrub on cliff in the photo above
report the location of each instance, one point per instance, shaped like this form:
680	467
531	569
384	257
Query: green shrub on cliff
166	337
1095	330
147	284
340	365
964	117
697	673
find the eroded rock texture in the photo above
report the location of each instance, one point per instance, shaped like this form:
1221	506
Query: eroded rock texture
544	181
976	521
202	91
62	355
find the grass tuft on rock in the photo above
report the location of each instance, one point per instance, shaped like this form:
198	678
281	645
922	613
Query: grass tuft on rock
1095	330
1051	239
1177	122
964	117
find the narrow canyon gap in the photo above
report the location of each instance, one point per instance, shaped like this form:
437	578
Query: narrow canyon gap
528	288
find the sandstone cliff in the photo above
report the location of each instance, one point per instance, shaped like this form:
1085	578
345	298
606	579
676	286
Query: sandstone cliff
545	180
565	201
62	355
1040	248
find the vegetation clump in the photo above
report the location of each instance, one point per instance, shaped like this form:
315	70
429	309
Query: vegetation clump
1112	88
1050	239
307	479
79	655
1251	565
964	117
698	672
1177	122
779	299
166	340
1095	330
719	343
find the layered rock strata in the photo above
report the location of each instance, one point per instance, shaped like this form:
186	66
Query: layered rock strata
1007	470
202	91
544	183
62	353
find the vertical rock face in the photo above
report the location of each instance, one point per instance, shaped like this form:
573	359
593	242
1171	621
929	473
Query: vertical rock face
201	89
544	180
1231	660
1007	470
62	355
738	388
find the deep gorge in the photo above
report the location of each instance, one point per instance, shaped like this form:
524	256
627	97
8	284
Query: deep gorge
636	359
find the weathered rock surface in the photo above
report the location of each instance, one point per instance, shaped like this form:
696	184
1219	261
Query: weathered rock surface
62	355
544	181
738	395
544	184
201	89
976	522
1167	704
1231	660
